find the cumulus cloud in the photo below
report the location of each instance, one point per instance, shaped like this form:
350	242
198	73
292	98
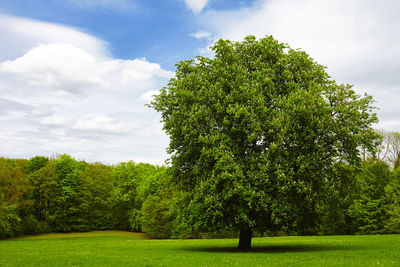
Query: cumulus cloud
148	96
196	5
64	67
68	95
356	40
201	35
57	66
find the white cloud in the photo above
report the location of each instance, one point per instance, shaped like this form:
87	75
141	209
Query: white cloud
201	35
63	93
54	120
357	40
196	5
99	122
137	69
58	66
19	35
64	67
148	96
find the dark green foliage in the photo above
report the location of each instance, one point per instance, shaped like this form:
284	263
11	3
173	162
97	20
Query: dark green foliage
392	205
96	194
255	133
15	204
66	214
337	200
157	192
368	208
43	190
125	183
9	219
127	178
156	218
35	164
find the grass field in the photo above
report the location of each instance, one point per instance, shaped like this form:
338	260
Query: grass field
116	248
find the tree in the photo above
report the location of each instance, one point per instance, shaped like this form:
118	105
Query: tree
392	205
344	190
155	193
15	188
389	148
254	133
95	191
127	178
156	218
368	207
66	212
35	164
43	183
9	218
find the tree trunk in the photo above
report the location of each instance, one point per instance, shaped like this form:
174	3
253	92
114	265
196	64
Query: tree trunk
245	239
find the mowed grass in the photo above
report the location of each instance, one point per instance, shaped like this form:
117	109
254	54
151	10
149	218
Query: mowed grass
116	248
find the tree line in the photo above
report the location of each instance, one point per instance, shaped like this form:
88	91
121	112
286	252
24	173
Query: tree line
65	195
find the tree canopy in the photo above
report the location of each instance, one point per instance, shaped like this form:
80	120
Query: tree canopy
255	133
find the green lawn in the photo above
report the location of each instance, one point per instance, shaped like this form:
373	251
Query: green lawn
119	249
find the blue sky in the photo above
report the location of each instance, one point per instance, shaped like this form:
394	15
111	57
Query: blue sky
75	75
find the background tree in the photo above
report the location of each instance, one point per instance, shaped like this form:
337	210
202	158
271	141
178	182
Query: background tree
127	178
388	148
66	213
9	219
156	193
96	194
44	193
156	217
254	134
392	203
337	201
15	188
368	207
392	141
35	164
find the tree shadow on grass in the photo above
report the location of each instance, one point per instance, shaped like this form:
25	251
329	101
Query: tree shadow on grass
273	248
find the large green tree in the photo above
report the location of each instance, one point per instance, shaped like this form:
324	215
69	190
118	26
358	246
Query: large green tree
254	134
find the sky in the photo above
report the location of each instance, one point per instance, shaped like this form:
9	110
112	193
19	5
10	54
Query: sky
75	75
